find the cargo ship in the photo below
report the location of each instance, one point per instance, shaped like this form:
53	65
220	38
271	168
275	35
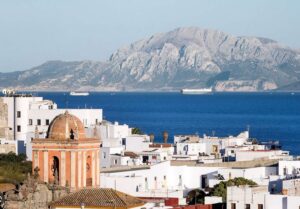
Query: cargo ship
196	91
74	93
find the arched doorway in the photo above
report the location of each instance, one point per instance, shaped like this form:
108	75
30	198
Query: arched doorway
89	179
55	170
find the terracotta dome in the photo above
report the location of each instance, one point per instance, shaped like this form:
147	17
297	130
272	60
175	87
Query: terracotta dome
66	126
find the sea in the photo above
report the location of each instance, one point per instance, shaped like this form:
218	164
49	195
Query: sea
268	116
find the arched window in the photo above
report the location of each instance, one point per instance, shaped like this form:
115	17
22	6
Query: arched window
72	134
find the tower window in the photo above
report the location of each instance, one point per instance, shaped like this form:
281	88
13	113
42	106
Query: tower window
30	122
18	114
47	122
18	128
38	122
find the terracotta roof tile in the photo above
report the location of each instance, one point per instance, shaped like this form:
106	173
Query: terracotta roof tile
4	187
99	197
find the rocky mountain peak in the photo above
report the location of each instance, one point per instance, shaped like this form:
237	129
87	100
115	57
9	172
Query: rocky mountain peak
187	57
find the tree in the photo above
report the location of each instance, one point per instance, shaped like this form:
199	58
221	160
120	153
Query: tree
221	188
136	131
195	196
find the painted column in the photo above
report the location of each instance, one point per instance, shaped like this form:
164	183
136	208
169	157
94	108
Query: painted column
73	168
79	155
46	166
98	168
84	169
63	168
93	169
36	159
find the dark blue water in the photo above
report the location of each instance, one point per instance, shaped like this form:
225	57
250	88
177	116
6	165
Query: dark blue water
273	116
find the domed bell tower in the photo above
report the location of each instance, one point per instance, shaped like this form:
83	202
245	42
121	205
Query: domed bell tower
66	157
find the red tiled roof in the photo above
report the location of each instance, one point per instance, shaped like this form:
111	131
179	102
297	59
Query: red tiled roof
158	145
98	197
131	154
4	187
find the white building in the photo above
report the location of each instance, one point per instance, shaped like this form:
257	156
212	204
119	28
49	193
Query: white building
289	168
158	180
30	116
193	145
118	142
247	197
259	175
246	155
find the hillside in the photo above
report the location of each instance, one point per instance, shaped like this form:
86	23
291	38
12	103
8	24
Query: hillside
182	58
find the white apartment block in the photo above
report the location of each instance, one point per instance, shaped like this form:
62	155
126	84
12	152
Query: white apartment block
30	117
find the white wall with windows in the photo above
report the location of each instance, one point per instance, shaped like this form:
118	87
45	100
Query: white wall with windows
158	179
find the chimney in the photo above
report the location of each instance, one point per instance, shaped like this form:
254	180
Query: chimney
165	137
151	137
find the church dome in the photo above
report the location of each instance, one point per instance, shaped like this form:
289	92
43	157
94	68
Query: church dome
66	126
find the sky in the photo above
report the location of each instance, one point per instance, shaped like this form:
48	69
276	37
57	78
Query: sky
35	31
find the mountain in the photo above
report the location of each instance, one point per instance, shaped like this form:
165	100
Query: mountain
183	58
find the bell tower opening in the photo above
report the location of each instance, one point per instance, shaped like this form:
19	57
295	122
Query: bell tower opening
72	136
55	170
89	180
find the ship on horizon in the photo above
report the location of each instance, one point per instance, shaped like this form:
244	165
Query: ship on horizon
77	93
197	91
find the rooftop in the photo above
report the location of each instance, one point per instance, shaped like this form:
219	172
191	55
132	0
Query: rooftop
4	187
124	168
98	197
237	164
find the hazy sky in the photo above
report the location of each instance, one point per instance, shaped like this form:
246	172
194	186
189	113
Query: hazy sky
35	31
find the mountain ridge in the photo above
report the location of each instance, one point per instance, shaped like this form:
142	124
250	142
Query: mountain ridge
182	58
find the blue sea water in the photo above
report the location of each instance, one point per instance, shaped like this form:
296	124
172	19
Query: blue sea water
270	116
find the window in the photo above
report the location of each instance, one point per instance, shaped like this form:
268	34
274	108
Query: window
18	128
180	181
124	141
18	114
146	183
104	155
233	206
284	171
260	206
116	162
47	122
38	122
30	122
247	206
